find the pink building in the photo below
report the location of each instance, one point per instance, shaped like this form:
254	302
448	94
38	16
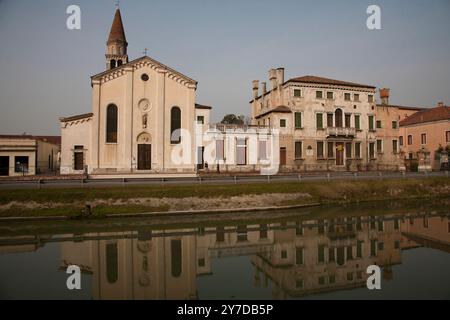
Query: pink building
425	138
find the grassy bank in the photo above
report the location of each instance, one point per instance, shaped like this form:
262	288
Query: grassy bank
69	202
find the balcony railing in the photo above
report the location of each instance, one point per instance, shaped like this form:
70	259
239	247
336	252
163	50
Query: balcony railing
239	128
341	132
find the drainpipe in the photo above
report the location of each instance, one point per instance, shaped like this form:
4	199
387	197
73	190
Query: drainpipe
132	122
164	125
367	150
35	160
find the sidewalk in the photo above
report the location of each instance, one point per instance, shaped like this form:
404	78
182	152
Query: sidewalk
192	179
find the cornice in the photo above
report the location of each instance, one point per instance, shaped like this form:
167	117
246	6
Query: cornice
75	122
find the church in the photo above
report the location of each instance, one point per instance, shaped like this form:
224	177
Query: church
142	120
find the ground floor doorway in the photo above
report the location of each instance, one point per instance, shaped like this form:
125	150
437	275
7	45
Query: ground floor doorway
200	158
4	166
78	161
144	157
339	153
283	156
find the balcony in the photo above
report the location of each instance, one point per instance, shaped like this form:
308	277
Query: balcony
341	132
233	128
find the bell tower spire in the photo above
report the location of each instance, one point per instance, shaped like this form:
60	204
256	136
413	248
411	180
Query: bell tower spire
116	53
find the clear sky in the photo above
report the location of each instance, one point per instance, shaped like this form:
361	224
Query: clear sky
45	68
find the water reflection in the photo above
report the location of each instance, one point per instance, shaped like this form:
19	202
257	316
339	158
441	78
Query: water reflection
299	257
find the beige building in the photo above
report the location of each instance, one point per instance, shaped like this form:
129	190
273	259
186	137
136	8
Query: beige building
389	145
142	120
334	125
23	155
324	124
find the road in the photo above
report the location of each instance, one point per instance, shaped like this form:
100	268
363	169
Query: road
101	183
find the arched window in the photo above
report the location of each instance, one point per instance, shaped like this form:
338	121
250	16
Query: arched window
112	64
119	63
111	124
112	262
338	118
175	124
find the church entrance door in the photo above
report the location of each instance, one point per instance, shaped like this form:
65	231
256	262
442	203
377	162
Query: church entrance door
144	156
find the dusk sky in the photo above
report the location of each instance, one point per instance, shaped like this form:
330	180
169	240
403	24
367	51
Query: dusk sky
45	68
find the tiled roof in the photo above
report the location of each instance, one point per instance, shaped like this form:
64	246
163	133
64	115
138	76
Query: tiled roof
117	32
77	117
279	109
427	115
50	139
321	80
401	107
16	136
200	106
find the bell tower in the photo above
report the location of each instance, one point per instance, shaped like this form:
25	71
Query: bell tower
116	53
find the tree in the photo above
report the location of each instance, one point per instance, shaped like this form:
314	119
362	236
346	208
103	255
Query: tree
233	119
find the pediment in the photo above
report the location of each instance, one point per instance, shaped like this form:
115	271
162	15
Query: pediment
140	63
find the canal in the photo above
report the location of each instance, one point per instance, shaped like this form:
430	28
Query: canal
314	253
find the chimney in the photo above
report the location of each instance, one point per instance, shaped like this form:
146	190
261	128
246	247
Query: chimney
264	88
255	88
384	95
440	104
273	78
280	76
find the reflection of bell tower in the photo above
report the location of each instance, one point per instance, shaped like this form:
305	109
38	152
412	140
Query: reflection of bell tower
116	54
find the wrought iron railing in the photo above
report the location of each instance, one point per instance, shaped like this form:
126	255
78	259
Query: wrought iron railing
239	128
337	131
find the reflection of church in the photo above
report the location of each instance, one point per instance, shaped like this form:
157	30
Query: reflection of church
295	258
138	268
141	265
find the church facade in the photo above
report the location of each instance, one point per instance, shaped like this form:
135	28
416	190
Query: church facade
142	115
